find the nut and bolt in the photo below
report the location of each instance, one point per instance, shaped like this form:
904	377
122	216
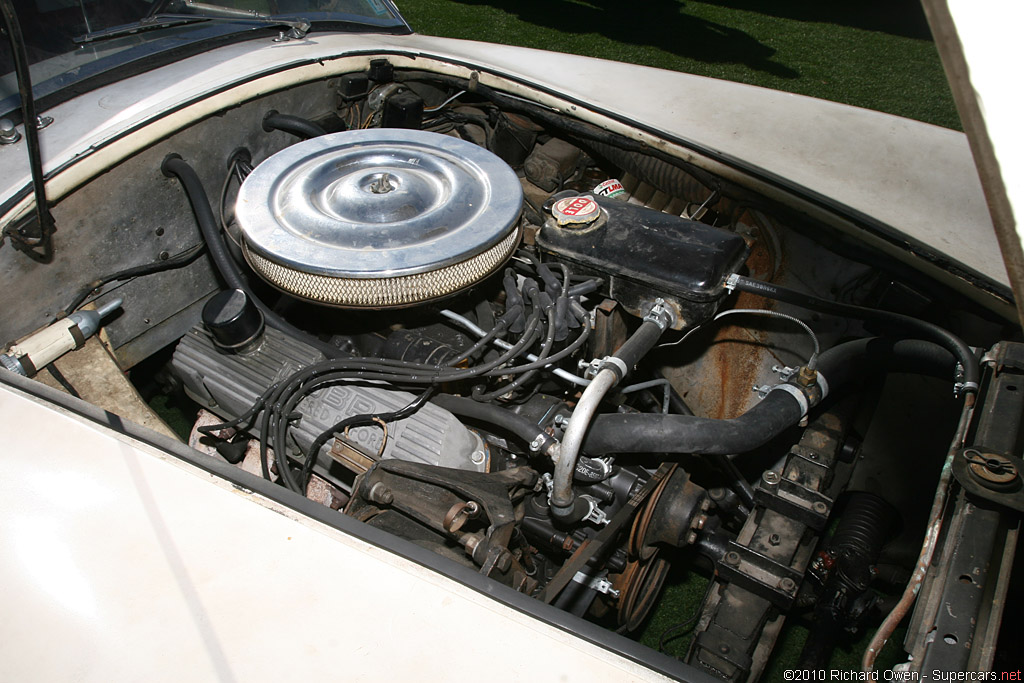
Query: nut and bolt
380	493
819	507
774	539
504	561
732	557
716	494
806	376
787	585
770	477
8	133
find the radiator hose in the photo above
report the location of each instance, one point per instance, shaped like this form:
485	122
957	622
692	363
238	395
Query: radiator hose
778	411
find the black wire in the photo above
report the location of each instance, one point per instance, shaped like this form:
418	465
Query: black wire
183	259
280	401
357	421
527	376
28	115
544	362
62	380
683	627
279	406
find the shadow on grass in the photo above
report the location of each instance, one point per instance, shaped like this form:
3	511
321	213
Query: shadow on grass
896	17
661	24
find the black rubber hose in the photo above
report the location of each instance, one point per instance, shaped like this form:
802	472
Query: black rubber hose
927	330
297	126
861	358
174	166
654	433
638	344
658	433
526	430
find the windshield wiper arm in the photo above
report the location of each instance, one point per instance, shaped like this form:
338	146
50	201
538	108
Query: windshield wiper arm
297	28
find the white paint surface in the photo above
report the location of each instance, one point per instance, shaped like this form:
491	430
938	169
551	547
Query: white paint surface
989	32
120	563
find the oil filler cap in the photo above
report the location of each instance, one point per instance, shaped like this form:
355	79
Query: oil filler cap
575	212
233	320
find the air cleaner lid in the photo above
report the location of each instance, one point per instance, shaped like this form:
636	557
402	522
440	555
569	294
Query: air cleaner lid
378	203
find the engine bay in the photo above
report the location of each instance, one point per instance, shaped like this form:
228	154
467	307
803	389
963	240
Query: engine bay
565	359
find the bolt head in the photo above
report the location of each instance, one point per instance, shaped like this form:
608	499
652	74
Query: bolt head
381	494
788	585
732	557
819	507
770	477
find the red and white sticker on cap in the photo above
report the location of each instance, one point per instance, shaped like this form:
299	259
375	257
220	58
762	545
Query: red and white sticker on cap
575	210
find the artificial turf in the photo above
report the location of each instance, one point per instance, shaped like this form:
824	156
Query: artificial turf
872	54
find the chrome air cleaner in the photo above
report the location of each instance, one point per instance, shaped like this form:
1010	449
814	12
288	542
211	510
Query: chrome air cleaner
379	218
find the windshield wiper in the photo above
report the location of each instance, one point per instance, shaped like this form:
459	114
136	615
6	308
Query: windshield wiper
297	28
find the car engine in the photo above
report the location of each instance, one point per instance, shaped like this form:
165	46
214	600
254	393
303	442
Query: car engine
567	360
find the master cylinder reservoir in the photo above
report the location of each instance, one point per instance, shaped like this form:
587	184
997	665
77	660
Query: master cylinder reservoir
644	254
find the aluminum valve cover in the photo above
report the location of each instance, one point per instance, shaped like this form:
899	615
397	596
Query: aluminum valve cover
378	218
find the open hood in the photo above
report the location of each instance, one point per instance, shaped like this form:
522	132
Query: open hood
974	43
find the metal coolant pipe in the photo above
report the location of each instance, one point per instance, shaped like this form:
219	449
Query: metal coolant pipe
564	504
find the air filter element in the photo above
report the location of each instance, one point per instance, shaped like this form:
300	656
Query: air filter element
379	218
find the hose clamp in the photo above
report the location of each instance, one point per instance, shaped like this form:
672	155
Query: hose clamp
796	393
965	388
731	282
822	384
660	314
619	366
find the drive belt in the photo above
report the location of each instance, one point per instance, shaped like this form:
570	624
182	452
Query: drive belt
593	546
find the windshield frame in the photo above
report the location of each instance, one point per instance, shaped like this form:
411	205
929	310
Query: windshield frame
153	48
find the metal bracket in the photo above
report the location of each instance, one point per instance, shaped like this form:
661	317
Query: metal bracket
601	584
789	498
763	576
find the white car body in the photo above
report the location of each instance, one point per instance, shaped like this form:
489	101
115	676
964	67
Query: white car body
123	559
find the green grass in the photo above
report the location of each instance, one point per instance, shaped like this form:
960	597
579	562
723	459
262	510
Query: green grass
872	54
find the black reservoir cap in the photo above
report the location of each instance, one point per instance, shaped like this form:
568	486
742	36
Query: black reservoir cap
233	320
